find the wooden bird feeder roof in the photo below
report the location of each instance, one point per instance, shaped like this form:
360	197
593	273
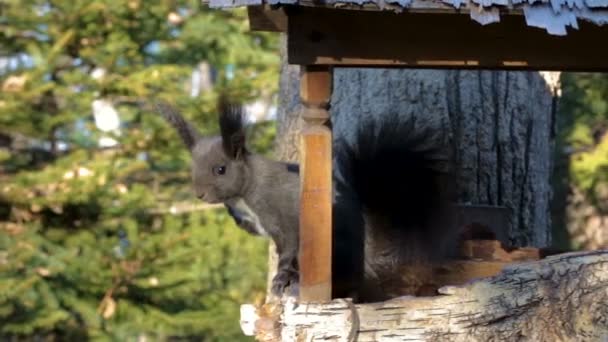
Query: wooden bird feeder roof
477	34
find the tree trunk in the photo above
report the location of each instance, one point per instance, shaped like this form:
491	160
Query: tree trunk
499	122
289	122
503	127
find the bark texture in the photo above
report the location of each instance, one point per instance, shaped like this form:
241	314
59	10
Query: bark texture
560	298
289	122
503	129
499	123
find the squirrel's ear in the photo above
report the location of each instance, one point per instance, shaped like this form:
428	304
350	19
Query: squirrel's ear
186	131
231	128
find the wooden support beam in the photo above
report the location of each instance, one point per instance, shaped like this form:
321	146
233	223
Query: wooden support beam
316	186
321	36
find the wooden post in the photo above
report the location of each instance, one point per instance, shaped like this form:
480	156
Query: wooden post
316	186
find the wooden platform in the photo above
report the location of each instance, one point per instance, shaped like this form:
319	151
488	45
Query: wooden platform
489	290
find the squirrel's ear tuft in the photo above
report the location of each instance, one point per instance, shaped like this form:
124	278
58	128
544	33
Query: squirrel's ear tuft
186	131
232	128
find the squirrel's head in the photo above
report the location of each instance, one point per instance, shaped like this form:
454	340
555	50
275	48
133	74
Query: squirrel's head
219	163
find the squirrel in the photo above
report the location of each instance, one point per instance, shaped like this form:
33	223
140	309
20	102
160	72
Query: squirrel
389	205
261	195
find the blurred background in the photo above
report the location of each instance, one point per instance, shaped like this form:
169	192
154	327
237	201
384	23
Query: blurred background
100	236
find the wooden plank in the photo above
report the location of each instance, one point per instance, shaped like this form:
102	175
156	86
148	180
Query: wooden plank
316	187
318	36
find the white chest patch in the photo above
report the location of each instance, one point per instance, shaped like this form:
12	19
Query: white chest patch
249	216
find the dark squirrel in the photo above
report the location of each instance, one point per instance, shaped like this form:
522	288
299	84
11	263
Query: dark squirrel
389	204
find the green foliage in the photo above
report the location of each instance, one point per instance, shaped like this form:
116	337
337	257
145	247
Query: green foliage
585	105
89	247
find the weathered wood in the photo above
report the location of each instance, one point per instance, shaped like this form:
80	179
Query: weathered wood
561	298
316	187
271	18
555	17
363	38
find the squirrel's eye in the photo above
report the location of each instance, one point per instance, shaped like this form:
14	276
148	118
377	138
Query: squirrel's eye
219	170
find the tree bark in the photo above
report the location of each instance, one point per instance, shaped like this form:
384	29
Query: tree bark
289	122
503	127
500	124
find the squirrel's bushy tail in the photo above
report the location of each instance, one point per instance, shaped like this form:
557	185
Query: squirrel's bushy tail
398	178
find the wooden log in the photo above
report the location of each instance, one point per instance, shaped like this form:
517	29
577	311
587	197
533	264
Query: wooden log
316	187
563	297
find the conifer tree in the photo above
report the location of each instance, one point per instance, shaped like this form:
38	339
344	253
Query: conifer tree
98	238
